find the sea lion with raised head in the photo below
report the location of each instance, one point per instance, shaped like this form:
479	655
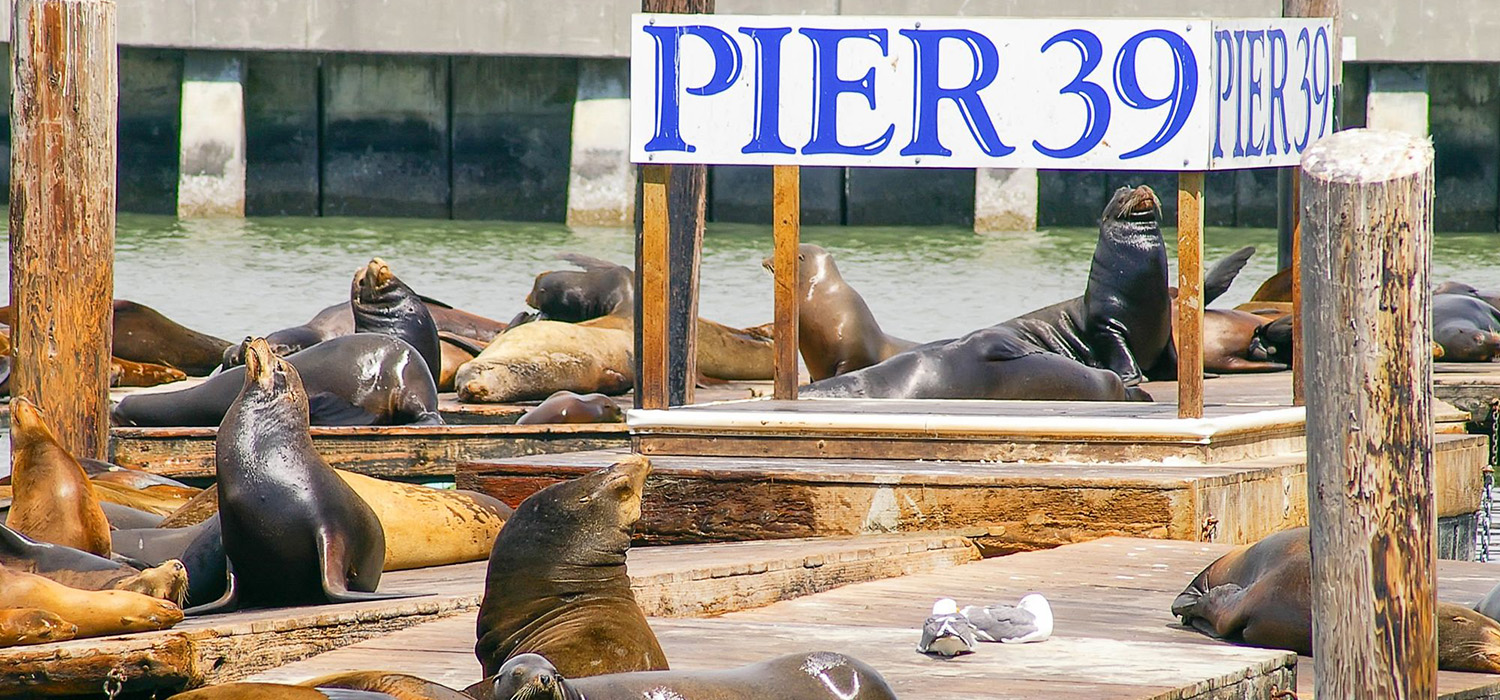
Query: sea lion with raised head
557	584
79	569
52	499
293	531
599	289
1261	595
568	407
361	379
20	626
818	675
383	304
1466	327
93	612
836	332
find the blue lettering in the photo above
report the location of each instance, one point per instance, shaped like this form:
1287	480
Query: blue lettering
727	60
766	137
1254	141
1184	87
928	94
1224	56
827	86
1095	98
1276	103
1305	40
1239	95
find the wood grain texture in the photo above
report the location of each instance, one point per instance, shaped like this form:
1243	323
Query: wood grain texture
1367	219
1299	361
1190	295
651	279
62	213
787	210
1333	9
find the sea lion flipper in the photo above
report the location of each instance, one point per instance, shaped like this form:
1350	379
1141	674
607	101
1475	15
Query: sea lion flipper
1113	351
334	574
1222	274
434	302
229	602
325	408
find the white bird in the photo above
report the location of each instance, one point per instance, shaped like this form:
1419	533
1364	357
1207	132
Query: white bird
1031	621
947	632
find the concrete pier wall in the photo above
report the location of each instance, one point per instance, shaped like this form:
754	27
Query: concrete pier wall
149	128
211	159
281	134
511	123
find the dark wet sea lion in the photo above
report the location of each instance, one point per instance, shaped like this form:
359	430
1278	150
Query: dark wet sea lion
293	531
836	332
571	296
818	675
568	407
397	685
82	570
1261	595
19	626
557	584
991	363
94	612
199	548
52	499
1488	297
143	335
361	379
1123	321
383	304
125	518
1466	327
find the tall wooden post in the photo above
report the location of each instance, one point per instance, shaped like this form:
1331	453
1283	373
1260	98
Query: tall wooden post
1189	295
62	213
685	192
1367	256
787	235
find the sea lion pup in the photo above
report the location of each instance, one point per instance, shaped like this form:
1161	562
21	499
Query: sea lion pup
817	675
1123	321
53	500
396	685
557	585
361	379
1261	595
836	332
599	289
991	363
297	531
79	569
20	626
1466	327
94	612
383	304
568	407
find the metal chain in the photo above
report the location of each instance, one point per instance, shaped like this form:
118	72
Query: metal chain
114	682
1278	694
1483	523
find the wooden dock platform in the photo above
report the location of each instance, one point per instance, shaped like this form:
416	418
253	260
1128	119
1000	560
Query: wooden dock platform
692	580
1115	637
1470	386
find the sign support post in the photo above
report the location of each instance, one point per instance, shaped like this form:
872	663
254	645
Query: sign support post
787	210
1189	295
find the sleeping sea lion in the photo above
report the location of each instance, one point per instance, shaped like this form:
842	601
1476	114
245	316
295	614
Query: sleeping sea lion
93	612
198	549
836	332
557	584
79	569
1488	297
1466	327
396	685
538	359
383	304
818	675
52	499
568	407
20	626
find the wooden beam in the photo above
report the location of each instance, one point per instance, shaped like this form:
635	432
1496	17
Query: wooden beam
651	275
62	213
1189	295
1299	381
788	233
1367	215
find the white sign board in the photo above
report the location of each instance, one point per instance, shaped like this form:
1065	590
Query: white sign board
1102	94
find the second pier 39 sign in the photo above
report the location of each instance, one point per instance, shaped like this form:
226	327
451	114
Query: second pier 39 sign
1099	94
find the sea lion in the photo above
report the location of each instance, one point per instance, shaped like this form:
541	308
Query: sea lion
199	550
453	354
338	320
571	296
1233	341
396	685
123	372
383	304
79	569
159	500
538	359
20	626
836	332
143	335
1261	595
124	517
53	500
1488	297
991	363
267	691
568	407
557	585
1466	327
132	478
293	531
362	379
1277	288
1123	321
94	612
724	352
818	675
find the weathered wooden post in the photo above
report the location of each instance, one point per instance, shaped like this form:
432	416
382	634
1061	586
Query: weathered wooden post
787	238
1366	254
1189	295
667	371
62	213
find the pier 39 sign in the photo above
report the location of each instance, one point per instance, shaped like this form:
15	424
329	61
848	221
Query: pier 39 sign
1101	94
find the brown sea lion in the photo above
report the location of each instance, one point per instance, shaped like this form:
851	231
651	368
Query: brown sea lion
147	345
94	612
53	500
1261	595
836	332
124	372
198	548
1277	288
1467	327
454	355
255	691
1230	342
818	675
538	359
89	572
20	626
557	584
572	296
383	304
397	685
159	500
293	531
724	352
568	407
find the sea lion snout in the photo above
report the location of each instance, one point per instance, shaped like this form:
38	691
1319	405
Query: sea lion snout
25	415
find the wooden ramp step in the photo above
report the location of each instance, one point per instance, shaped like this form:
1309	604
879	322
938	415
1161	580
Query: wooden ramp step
668	581
1004	506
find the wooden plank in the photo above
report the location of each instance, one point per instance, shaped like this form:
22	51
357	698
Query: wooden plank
1190	295
62	213
651	274
787	208
1367	197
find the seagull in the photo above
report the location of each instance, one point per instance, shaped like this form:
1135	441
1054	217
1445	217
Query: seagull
1031	621
947	632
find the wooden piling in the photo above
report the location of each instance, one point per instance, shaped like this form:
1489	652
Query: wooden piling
787	210
1189	295
62	213
1367	242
